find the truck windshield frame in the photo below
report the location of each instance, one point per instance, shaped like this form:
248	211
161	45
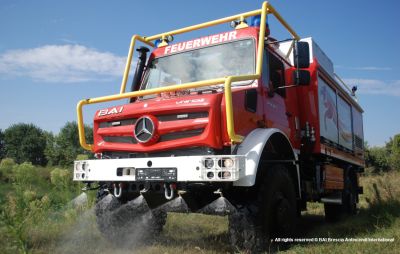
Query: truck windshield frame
231	58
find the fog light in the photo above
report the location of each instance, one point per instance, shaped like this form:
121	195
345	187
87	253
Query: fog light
224	175
228	163
84	166
209	163
210	175
227	174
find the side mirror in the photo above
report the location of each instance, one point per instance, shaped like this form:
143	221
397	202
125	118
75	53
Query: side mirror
301	53
301	77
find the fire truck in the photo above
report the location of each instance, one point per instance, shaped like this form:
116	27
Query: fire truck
238	123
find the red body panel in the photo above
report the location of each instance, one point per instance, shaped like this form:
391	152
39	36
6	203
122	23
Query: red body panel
210	136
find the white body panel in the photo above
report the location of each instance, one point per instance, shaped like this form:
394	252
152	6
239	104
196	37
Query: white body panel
252	148
189	168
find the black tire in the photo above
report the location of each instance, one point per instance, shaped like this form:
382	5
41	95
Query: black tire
334	212
127	223
350	197
272	215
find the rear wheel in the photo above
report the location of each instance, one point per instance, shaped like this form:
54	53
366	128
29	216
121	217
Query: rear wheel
272	215
334	212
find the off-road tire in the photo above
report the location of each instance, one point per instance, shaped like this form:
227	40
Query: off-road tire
119	223
334	212
350	197
272	215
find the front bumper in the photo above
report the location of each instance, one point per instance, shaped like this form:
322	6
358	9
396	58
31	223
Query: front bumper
214	168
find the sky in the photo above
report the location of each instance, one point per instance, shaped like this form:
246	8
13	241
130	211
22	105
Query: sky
55	53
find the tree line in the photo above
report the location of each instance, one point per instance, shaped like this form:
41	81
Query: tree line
384	158
28	143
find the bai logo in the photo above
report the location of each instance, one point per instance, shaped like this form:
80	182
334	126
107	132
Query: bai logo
114	110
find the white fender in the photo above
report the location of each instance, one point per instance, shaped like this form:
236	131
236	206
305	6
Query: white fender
252	147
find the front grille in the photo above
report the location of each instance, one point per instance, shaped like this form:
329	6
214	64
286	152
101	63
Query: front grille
161	118
163	138
116	123
130	139
180	134
183	116
120	139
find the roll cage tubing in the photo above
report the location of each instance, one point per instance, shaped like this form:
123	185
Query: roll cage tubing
227	81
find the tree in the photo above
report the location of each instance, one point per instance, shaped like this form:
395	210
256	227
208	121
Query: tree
395	152
1	144
25	143
63	148
378	158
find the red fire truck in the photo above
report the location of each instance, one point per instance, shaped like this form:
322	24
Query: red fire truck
237	123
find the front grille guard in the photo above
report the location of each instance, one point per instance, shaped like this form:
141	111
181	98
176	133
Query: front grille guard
227	81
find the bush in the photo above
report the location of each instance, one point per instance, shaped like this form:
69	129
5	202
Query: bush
6	166
61	178
25	174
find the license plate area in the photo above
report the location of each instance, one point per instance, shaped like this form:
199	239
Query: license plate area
156	174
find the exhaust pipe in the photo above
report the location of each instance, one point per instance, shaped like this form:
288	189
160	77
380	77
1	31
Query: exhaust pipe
141	64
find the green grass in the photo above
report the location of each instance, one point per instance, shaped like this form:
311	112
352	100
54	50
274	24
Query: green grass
39	219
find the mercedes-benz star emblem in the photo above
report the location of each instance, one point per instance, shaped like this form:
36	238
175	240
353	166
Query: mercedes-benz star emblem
144	129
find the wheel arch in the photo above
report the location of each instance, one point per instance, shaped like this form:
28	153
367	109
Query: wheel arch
267	145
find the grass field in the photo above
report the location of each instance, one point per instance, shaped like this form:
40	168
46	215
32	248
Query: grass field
40	219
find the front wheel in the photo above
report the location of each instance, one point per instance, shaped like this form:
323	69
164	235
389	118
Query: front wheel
132	222
272	215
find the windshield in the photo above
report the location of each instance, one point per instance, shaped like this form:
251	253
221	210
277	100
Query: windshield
229	59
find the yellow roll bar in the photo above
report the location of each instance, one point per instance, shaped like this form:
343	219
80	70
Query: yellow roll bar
227	81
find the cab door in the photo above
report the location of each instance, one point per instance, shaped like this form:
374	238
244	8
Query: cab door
273	79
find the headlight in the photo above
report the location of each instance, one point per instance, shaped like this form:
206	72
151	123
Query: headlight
228	163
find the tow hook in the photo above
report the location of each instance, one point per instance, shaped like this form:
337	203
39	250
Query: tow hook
169	190
118	190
